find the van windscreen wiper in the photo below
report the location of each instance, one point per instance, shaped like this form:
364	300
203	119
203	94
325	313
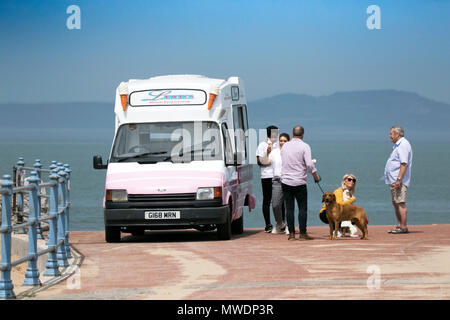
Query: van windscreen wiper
141	155
192	151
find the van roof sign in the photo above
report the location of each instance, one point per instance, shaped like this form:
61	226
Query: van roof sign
167	97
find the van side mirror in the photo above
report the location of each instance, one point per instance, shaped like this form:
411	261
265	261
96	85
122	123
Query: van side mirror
98	163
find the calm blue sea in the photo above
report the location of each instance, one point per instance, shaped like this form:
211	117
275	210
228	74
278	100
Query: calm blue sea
428	196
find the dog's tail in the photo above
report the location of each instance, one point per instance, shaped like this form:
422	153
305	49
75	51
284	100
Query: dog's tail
367	221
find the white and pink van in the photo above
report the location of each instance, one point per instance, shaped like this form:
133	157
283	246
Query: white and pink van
180	157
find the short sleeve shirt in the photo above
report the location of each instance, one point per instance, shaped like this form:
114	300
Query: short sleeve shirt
401	153
266	171
275	157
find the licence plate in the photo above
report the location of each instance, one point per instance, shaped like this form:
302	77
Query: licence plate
149	215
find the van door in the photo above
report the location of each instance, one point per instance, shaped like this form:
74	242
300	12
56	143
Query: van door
244	170
231	176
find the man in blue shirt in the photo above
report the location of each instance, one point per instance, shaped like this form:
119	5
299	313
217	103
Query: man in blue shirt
397	174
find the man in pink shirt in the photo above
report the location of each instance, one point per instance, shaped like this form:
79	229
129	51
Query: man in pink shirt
296	163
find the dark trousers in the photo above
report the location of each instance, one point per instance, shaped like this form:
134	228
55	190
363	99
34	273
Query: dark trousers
300	194
267	198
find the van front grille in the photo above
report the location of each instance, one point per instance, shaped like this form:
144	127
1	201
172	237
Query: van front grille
161	197
162	201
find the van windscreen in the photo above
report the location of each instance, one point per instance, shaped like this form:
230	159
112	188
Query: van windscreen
167	141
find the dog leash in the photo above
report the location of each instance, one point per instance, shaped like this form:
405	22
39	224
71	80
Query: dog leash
315	161
320	187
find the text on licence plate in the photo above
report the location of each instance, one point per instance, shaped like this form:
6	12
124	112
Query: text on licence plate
162	214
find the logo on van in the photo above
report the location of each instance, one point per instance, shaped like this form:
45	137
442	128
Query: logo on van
165	95
162	190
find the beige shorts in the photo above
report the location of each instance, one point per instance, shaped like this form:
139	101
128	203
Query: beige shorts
398	195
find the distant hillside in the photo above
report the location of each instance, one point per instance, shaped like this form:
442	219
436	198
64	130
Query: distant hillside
352	111
73	115
342	113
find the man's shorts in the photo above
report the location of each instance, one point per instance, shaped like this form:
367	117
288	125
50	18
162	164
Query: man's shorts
398	195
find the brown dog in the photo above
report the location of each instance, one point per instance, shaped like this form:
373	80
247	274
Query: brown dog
337	213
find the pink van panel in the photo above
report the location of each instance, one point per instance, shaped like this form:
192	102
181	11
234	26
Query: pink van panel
163	181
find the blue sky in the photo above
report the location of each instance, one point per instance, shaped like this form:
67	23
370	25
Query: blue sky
311	47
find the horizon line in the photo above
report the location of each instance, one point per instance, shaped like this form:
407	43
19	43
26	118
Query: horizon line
253	100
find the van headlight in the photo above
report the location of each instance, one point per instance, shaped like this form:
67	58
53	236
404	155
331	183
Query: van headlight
117	195
209	193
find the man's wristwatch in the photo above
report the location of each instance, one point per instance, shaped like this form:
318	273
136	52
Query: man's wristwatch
398	179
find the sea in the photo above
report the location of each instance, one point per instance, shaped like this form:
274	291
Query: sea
428	197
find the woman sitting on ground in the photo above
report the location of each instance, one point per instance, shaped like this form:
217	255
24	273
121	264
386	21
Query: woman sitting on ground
345	194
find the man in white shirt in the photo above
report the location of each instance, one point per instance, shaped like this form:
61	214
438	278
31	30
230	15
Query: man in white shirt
266	168
397	174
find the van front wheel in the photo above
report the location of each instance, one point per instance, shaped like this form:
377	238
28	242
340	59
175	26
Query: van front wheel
237	226
224	230
112	234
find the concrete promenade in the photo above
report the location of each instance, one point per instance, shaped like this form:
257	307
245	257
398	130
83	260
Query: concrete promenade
189	264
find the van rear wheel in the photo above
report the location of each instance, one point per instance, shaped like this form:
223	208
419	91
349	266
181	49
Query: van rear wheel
224	230
112	234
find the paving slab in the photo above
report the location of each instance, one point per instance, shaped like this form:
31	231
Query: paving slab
188	264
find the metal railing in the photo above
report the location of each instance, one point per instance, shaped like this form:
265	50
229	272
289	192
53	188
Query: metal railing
58	248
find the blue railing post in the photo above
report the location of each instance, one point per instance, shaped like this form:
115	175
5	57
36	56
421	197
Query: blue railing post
20	165
37	166
51	267
59	167
19	196
53	168
68	171
6	286
32	273
61	251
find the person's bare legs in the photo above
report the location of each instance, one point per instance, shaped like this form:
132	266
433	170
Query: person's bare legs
397	214
401	211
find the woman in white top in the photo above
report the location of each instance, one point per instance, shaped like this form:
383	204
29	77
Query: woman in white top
348	185
274	157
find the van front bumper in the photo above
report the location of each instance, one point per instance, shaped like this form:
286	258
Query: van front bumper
189	217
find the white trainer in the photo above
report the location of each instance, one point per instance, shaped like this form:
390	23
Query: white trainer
353	231
339	234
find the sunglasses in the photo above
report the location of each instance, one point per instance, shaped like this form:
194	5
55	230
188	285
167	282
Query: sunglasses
350	180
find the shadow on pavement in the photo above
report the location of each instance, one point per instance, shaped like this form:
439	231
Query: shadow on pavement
181	236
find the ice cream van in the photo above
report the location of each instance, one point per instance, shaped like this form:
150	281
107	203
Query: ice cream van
179	157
